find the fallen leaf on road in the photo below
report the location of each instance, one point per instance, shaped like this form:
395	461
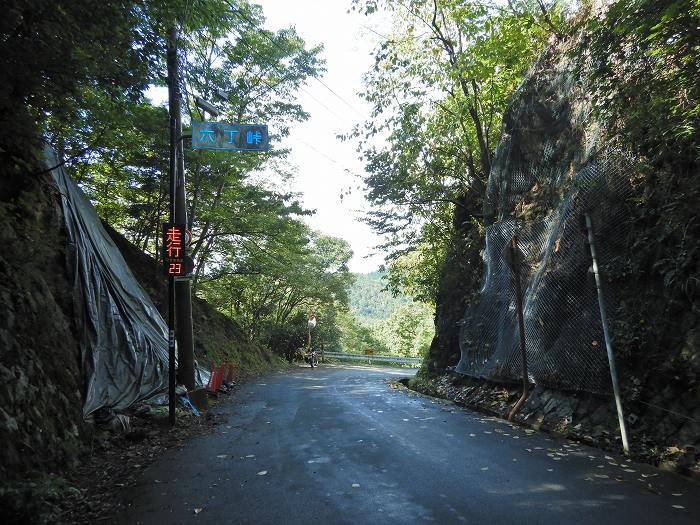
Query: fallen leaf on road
262	473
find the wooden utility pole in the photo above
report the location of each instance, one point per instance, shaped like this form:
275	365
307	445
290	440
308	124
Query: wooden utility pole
183	290
173	109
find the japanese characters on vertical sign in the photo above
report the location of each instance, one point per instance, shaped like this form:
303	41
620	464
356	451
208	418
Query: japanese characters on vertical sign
223	136
175	242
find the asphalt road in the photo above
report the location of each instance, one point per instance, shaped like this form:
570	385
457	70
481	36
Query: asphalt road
336	444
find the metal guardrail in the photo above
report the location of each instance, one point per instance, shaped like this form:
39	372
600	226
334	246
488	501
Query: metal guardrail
377	358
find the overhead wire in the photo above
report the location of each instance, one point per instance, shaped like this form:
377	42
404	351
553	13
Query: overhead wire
267	61
280	69
276	44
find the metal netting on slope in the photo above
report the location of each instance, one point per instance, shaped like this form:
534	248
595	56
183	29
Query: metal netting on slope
563	332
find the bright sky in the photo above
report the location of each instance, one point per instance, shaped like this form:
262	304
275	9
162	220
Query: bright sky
322	160
326	166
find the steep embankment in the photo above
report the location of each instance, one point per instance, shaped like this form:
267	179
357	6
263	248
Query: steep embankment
41	386
556	163
217	338
45	337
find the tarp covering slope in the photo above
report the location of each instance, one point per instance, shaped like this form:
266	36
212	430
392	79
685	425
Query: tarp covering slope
123	337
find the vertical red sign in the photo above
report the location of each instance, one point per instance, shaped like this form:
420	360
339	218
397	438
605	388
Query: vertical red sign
174	249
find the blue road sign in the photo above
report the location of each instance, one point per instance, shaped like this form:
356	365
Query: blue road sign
220	135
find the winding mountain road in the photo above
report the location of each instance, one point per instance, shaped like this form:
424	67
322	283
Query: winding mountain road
338	445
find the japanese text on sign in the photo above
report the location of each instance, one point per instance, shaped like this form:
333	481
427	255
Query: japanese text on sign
220	135
174	249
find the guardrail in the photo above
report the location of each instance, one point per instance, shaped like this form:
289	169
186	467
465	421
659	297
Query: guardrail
377	358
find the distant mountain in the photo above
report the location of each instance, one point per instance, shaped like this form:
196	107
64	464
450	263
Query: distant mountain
369	302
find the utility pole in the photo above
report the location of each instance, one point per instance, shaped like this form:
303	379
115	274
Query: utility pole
173	110
183	291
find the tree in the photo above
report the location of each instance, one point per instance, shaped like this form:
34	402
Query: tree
439	87
310	277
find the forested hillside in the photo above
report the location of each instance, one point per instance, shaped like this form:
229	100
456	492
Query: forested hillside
370	301
386	321
530	120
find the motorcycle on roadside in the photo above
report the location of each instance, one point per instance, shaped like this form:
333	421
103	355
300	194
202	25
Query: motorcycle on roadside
310	357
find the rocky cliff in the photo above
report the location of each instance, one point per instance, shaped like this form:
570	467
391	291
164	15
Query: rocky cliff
45	338
556	162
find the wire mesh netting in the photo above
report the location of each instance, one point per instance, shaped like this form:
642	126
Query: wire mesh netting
563	331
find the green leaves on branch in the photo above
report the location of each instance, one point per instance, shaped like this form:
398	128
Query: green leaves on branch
74	74
644	60
439	87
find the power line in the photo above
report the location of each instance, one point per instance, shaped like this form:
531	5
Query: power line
327	157
276	44
281	70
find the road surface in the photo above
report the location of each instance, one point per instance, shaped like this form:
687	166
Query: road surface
337	445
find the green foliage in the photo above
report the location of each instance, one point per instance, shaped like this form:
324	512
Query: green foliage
408	331
644	70
52	59
312	277
84	67
440	84
369	300
356	336
385	321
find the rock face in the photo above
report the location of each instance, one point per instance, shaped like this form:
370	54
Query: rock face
40	381
44	376
550	137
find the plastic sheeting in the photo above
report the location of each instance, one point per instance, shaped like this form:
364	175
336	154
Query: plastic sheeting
123	337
